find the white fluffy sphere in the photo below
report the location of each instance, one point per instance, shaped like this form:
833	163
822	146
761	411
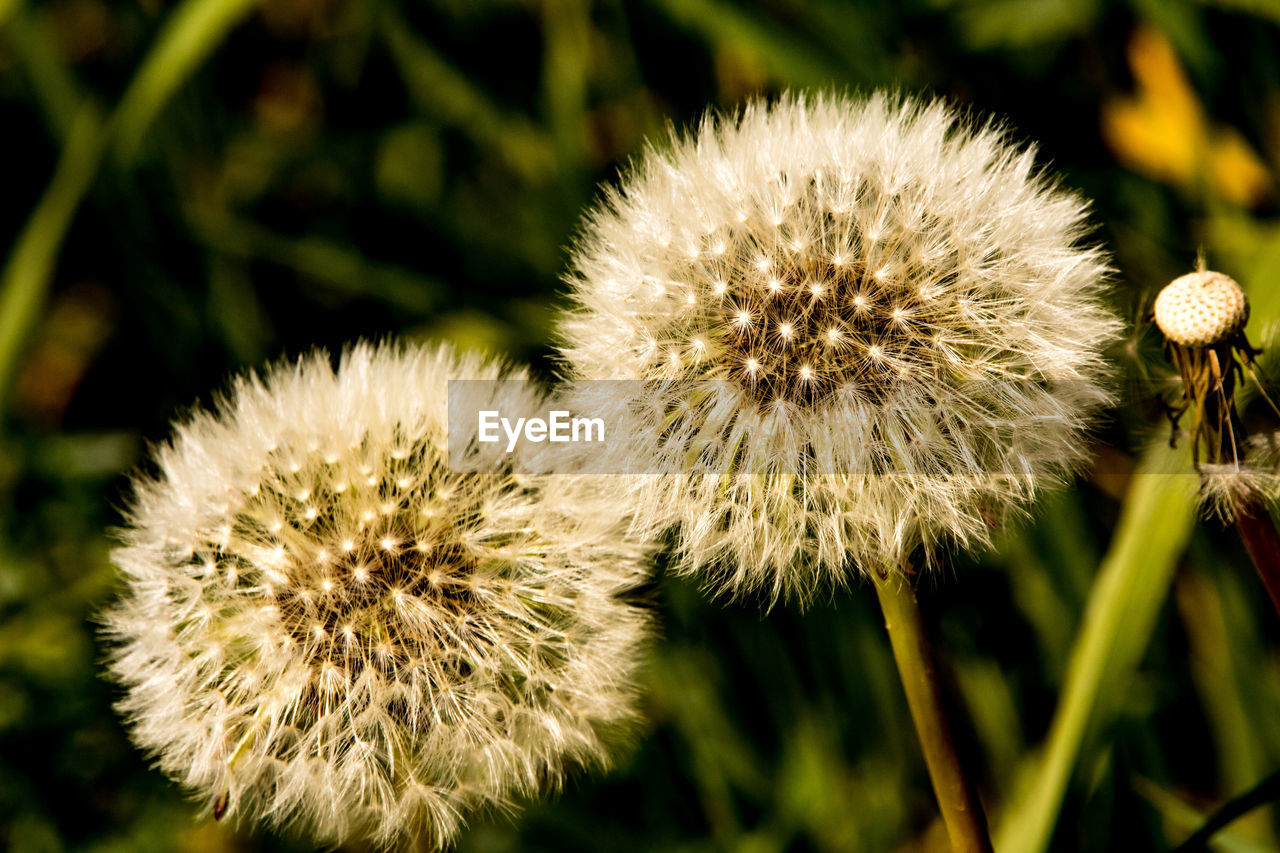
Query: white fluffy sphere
862	326
326	626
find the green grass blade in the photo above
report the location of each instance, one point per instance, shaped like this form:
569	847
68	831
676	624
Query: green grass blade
440	90
786	56
1183	819
56	90
342	268
189	35
1131	587
25	277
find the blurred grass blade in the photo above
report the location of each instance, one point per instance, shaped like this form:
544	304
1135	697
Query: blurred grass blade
189	35
39	52
1131	587
1264	792
1215	671
25	277
1267	9
342	268
442	91
566	28
1182	817
724	24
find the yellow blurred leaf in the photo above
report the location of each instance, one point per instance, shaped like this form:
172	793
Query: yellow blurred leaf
1238	173
1162	130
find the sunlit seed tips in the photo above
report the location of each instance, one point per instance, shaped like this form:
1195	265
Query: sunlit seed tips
880	257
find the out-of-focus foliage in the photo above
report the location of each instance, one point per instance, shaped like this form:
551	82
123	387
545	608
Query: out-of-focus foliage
195	188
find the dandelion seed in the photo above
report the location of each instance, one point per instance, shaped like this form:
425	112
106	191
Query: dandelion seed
350	685
863	442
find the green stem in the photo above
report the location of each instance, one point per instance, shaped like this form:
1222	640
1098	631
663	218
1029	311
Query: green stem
961	811
1124	602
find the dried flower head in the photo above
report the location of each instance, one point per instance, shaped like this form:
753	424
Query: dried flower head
1202	315
872	327
326	626
1201	309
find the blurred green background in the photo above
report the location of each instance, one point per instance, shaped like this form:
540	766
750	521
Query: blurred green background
194	188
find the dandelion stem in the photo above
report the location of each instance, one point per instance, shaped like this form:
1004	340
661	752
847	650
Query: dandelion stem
912	651
1258	531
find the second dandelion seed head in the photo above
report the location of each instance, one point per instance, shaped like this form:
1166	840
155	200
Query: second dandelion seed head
870	325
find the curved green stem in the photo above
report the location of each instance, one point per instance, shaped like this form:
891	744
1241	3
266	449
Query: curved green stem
957	801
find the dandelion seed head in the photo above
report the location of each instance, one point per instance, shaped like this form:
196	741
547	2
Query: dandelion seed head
367	674
858	235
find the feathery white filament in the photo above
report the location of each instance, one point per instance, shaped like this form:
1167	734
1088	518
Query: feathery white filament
900	324
326	626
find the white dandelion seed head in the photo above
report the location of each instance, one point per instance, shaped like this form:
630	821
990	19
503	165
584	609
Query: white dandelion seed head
905	340
325	626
